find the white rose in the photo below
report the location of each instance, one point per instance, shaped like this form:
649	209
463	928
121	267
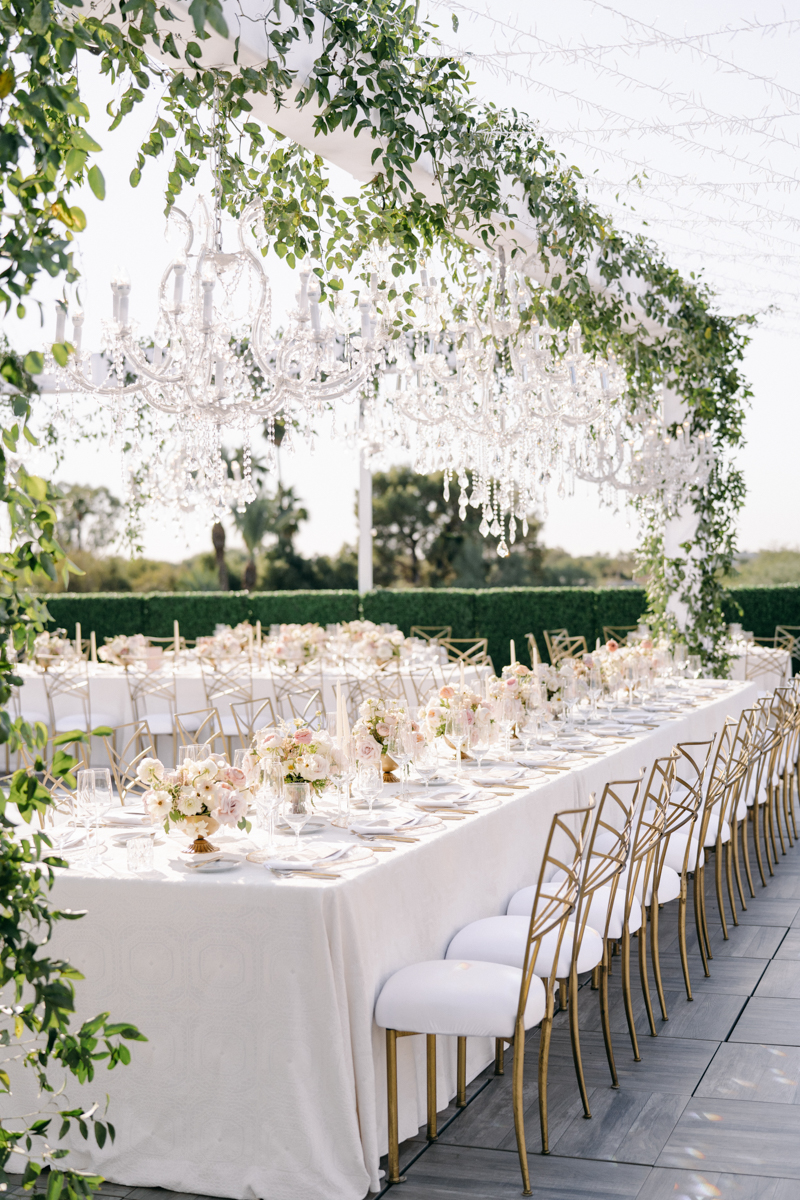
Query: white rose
312	767
368	750
189	803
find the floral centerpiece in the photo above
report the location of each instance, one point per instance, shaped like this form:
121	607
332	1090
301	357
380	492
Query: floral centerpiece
365	639
299	755
294	645
372	732
49	648
197	797
121	651
223	646
433	714
612	658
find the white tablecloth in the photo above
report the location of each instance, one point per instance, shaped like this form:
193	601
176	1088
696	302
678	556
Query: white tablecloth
264	1072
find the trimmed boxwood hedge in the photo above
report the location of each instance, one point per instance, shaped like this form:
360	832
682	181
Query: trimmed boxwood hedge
495	613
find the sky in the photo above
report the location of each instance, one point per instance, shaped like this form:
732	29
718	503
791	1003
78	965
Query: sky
694	100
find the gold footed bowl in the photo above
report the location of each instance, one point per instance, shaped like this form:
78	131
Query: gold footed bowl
199	843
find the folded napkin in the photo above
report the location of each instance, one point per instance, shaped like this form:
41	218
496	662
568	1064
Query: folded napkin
393	824
308	860
451	799
126	816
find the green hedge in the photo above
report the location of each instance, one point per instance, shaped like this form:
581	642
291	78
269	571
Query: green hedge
495	613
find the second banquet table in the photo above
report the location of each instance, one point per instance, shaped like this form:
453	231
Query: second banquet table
264	1074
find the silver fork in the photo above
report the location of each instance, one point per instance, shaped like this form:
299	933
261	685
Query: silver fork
310	874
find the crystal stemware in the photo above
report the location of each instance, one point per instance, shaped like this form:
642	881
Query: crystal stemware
426	762
369	782
296	808
456	730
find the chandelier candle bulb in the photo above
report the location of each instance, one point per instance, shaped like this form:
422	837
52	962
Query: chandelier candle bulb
313	295
178	271
208	303
77	330
61	320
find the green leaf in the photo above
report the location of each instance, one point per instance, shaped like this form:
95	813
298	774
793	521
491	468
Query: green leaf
7	81
454	19
82	141
96	182
34	362
74	163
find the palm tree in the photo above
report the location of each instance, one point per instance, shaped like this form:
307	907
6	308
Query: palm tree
254	524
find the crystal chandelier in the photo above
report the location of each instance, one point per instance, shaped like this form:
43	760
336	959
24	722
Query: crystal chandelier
508	400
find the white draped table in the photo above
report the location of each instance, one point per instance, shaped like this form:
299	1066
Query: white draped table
263	1075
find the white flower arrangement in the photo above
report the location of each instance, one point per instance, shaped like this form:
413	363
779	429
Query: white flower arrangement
377	721
299	755
52	647
122	650
196	793
433	714
365	639
296	644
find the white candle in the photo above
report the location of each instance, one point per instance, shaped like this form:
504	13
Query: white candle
258	636
513	650
176	636
461	673
363	308
339	730
77	329
534	653
313	295
124	290
93	645
77	637
250	642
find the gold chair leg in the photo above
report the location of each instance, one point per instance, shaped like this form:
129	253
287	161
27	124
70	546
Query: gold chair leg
735	825
516	1091
430	1048
746	823
790	777
393	1171
546	1029
595	978
499	1056
643	975
656	957
771	821
626	991
718	885
729	877
698	885
776	818
461	1073
786	813
562	994
682	902
757	841
604	1018
575	1038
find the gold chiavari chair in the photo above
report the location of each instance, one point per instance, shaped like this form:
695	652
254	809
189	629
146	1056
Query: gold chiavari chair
470	651
250	716
640	885
136	743
432	633
153	696
306	707
586	943
766	738
462	999
789	714
69	699
224	683
781	720
788	638
560	645
200	727
763	662
294	688
678	848
618	633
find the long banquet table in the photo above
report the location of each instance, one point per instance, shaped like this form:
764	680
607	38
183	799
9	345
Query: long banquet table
264	1075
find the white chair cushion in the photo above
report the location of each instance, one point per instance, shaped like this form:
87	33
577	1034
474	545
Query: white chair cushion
459	998
78	721
521	905
503	939
676	852
31	716
229	726
711	832
159	723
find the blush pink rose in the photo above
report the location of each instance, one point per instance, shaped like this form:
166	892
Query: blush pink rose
303	736
446	693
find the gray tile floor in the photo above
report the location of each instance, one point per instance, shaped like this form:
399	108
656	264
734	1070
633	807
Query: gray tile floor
712	1110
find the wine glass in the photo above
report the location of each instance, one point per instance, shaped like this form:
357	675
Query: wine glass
296	807
267	788
196	753
342	772
369	782
480	735
93	797
399	747
595	684
456	730
426	762
695	664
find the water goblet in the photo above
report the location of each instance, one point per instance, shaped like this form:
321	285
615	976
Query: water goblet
399	746
296	807
480	735
426	762
456	730
369	782
195	753
695	664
